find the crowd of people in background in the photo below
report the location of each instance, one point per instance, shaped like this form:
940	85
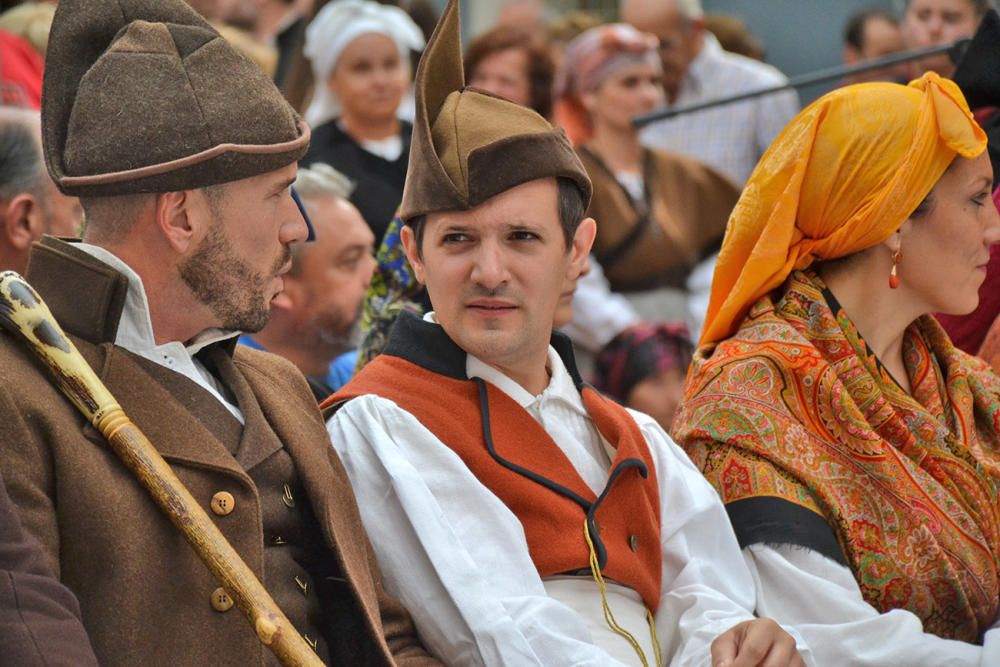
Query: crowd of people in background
705	295
663	194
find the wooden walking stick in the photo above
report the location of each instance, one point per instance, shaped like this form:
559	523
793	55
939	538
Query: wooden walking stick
23	313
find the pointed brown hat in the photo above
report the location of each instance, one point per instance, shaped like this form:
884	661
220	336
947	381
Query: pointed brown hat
145	96
468	145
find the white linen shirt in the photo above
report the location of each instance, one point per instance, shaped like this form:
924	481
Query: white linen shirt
457	557
732	137
821	599
135	333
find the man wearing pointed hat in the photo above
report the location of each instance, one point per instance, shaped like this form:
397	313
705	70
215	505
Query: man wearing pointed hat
521	516
183	154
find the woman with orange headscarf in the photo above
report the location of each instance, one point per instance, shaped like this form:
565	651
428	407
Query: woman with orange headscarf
855	447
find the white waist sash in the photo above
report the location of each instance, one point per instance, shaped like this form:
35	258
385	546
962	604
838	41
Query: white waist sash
582	595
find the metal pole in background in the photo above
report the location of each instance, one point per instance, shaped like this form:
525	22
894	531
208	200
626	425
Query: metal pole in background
955	50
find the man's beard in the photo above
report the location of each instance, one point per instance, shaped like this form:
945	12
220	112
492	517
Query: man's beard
339	332
233	291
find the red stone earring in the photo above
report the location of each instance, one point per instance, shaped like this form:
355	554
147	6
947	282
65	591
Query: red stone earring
893	275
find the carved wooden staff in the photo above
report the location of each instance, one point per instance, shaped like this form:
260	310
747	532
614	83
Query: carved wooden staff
23	313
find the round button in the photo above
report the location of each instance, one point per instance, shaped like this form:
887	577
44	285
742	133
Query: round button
223	503
633	543
221	600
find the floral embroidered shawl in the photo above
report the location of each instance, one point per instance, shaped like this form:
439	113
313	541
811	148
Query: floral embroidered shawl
804	434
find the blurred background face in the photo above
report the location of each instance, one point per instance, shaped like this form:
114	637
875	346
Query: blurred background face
879	38
333	271
504	73
564	309
370	78
659	396
934	22
629	92
680	40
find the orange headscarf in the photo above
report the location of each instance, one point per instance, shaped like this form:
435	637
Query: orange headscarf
841	177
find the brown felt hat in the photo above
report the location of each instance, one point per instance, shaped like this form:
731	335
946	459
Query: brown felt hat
469	145
145	96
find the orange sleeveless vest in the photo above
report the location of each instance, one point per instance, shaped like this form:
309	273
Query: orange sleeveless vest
423	372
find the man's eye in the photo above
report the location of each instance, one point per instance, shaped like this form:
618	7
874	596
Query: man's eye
523	236
454	238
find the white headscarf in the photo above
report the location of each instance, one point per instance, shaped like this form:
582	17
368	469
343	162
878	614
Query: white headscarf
338	24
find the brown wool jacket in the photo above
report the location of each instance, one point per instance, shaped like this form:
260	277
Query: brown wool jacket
687	208
144	594
39	617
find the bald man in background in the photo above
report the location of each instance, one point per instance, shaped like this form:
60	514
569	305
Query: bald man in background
30	204
313	319
730	138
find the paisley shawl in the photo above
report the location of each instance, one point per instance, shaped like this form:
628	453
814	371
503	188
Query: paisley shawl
803	432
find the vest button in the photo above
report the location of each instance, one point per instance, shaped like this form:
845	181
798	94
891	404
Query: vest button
223	503
633	543
221	601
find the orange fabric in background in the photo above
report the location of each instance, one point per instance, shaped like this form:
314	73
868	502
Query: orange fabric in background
841	177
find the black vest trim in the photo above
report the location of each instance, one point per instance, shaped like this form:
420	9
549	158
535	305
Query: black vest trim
427	345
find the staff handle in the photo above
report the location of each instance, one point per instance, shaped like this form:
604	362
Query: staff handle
24	314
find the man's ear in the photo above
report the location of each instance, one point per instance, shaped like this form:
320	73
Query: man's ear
409	239
583	241
181	218
23	222
698	27
851	55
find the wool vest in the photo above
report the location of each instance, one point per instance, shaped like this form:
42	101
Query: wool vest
423	372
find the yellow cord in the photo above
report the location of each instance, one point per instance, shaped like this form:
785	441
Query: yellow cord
609	617
656	640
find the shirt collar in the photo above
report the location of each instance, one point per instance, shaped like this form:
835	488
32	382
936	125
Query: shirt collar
700	69
135	330
560	382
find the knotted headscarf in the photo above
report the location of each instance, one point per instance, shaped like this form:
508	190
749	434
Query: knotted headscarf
338	24
840	178
590	58
639	352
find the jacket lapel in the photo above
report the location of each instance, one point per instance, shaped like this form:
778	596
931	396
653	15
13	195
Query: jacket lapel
258	441
183	421
173	418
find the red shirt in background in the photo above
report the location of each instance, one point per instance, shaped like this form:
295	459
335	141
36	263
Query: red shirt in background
20	73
